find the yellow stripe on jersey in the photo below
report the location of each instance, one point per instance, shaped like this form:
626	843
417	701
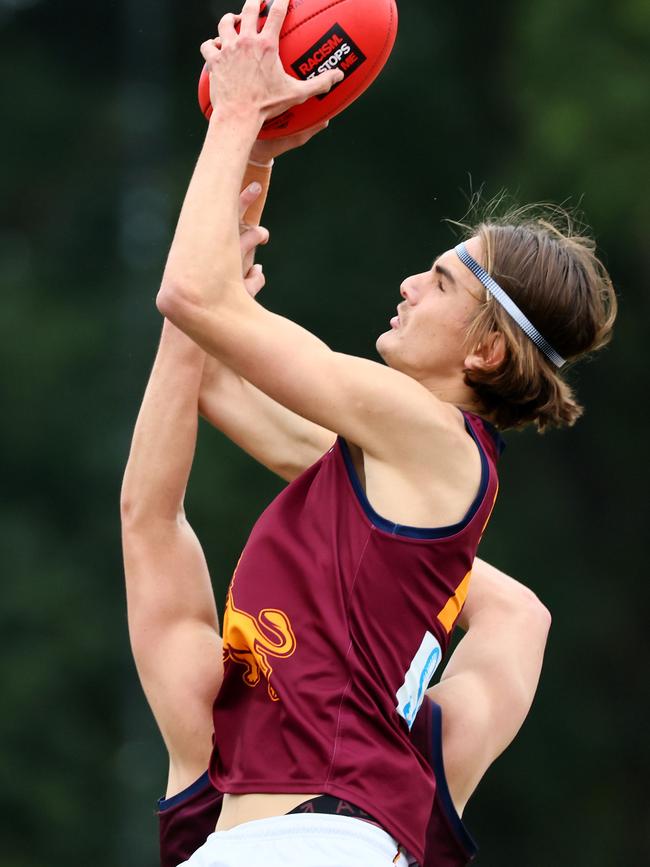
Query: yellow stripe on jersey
454	604
494	502
451	610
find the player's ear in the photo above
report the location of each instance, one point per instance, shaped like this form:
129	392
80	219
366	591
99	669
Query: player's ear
489	354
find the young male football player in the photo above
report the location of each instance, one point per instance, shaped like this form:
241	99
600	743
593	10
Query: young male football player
352	580
488	684
465	721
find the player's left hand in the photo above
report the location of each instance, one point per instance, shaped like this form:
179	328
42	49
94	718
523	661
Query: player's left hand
265	150
246	75
250	238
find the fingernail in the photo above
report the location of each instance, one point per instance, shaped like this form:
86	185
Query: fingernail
255	188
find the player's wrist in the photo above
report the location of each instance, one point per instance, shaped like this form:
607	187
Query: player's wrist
256	172
261	164
244	125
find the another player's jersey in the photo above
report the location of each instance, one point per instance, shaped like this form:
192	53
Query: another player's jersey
186	820
335	621
448	842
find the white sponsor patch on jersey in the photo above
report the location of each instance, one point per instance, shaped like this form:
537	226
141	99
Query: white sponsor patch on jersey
411	694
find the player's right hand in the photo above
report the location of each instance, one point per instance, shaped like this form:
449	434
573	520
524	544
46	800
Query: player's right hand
247	79
250	237
254	280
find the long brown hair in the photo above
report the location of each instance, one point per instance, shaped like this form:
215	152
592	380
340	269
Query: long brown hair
546	261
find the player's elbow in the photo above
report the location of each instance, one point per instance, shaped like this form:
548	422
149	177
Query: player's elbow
497	598
528	615
133	511
543	616
176	300
128	496
186	301
142	509
535	612
145	515
520	603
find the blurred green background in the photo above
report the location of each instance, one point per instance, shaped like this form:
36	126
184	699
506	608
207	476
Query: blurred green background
100	128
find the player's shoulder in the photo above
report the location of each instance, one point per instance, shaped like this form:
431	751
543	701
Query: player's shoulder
433	431
443	453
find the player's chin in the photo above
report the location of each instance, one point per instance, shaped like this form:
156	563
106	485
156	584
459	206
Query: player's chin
385	345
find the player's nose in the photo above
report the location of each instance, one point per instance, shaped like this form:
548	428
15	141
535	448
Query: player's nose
407	291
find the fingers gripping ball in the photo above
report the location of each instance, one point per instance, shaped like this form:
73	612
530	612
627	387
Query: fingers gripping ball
356	36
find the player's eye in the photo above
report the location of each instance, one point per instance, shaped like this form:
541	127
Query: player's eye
440	286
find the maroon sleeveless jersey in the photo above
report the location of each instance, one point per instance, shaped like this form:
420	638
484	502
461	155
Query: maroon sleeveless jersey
335	622
187	819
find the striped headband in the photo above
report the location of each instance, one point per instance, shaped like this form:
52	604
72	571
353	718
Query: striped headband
509	306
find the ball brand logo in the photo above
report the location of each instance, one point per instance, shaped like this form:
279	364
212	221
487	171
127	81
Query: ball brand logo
335	50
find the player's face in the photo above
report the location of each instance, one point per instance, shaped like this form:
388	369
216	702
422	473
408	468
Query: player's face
427	337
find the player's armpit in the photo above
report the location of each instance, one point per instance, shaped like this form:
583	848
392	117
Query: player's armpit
279	439
488	686
382	410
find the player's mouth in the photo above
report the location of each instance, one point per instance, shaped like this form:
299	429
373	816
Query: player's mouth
397	321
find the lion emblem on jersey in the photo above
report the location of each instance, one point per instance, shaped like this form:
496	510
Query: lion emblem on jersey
254	641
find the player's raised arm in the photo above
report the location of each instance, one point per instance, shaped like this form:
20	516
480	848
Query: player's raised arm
281	440
172	615
381	409
489	683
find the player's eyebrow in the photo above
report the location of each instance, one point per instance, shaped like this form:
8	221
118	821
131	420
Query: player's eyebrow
445	272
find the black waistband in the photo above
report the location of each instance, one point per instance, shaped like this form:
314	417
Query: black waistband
338	807
335	807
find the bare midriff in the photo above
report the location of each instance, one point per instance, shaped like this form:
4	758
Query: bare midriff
237	809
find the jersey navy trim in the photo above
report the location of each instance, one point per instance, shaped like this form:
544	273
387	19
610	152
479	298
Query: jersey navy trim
456	825
197	786
499	441
417	532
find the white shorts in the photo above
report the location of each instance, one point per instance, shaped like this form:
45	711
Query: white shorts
300	840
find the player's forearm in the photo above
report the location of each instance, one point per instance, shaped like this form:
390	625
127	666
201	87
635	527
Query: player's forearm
275	437
278	439
489	683
164	439
165	434
507	630
204	267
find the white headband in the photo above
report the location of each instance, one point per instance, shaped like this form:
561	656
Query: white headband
509	306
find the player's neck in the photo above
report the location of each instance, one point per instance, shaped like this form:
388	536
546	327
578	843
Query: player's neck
451	389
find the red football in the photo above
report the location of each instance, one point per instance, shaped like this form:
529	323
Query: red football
356	36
